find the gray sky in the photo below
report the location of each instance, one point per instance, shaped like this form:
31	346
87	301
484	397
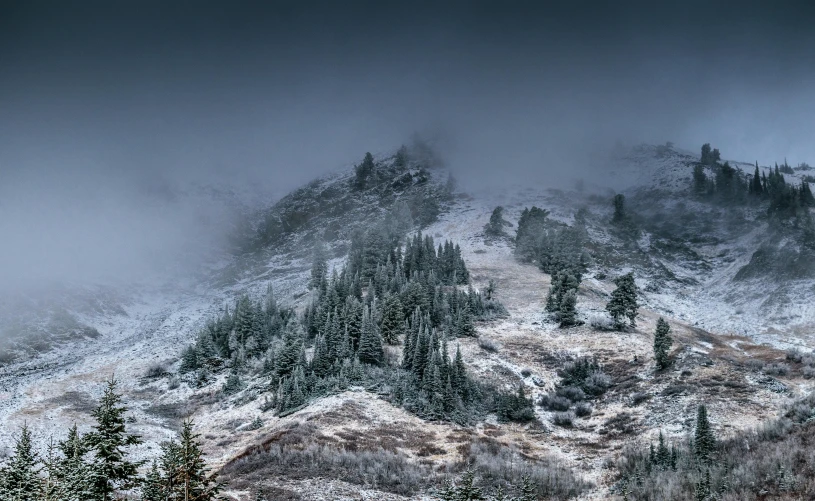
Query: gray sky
102	102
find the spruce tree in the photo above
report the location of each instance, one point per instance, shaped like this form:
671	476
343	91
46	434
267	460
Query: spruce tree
704	441
20	478
527	489
568	309
495	228
153	487
623	303
192	480
619	208
370	343
662	343
75	475
393	319
319	268
109	442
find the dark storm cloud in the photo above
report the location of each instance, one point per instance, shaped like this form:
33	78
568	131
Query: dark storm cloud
104	98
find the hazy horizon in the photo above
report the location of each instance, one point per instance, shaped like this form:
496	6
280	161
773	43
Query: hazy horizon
103	103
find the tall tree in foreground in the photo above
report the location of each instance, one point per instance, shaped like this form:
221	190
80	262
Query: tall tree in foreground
108	441
191	480
20	481
662	343
623	303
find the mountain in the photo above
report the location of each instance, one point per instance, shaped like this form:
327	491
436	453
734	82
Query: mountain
730	275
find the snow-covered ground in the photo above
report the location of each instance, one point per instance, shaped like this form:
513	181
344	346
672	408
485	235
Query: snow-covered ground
58	387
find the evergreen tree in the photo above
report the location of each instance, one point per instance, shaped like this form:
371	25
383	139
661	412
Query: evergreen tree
192	480
364	171
662	343
490	290
466	490
370	343
290	353
108	441
153	487
319	268
568	309
74	474
619	208
704	441
527	490
20	479
755	183
495	228
623	303
393	319
699	180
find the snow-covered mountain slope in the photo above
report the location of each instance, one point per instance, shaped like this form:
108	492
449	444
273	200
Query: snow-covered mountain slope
686	268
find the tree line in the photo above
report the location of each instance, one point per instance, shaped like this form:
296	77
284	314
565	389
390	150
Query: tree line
95	467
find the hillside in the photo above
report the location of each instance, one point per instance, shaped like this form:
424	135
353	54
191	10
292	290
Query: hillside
731	330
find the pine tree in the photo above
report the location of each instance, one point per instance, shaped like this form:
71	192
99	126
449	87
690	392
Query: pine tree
662	343
527	490
20	478
75	475
495	228
319	268
393	319
466	490
490	290
704	441
623	303
699	180
364	171
153	487
192	482
619	208
289	355
108	441
370	343
568	309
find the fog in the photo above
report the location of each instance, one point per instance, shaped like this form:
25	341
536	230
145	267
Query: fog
109	110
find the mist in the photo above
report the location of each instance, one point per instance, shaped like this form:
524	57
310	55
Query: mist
110	113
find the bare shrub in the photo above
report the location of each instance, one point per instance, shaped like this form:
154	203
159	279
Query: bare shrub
573	393
794	355
639	397
564	419
302	453
583	409
487	344
552	402
156	370
755	364
777	369
601	321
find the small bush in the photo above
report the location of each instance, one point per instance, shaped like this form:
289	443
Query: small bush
487	344
583	409
639	397
779	369
564	419
794	355
155	371
601	322
573	393
552	402
526	372
755	364
808	372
